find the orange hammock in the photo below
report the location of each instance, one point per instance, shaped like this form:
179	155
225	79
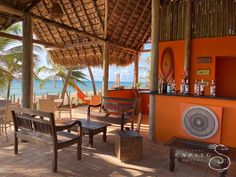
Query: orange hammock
81	94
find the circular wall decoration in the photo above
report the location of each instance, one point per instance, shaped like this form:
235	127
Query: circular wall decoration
200	122
167	64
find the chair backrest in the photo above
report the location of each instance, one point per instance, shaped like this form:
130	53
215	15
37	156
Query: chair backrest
114	105
3	103
8	117
52	97
47	105
36	123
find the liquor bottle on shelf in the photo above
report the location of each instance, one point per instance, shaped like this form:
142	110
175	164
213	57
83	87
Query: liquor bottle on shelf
186	87
202	88
164	87
169	90
173	87
196	88
182	87
159	87
213	88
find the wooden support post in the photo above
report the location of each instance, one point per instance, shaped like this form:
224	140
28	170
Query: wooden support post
154	65
27	64
188	27
136	70
105	69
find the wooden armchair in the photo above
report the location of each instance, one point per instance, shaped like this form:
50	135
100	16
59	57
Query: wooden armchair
39	128
114	110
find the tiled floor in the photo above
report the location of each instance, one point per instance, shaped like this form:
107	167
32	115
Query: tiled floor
99	161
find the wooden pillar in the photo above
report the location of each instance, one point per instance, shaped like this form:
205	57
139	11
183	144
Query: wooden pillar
27	63
105	69
154	65
188	27
105	55
136	70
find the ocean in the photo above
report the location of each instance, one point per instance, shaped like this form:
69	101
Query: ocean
50	87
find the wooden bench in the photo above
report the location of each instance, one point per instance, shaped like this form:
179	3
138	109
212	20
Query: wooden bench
114	110
39	128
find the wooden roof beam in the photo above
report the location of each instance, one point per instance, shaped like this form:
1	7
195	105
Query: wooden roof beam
20	38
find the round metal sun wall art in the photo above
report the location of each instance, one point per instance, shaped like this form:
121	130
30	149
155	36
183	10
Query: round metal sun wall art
200	122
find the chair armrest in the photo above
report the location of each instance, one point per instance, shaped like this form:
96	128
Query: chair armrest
94	106
68	126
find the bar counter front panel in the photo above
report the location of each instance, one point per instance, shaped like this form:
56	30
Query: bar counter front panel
168	116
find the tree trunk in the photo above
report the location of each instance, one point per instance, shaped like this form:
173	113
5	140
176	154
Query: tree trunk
66	84
8	89
92	80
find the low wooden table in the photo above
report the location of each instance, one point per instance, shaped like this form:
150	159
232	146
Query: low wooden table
89	128
181	149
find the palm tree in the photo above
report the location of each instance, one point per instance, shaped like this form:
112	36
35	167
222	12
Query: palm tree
92	80
68	76
11	58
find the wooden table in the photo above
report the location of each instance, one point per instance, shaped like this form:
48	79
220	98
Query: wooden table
89	128
181	148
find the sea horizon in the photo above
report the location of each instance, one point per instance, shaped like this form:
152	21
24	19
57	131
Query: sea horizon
51	88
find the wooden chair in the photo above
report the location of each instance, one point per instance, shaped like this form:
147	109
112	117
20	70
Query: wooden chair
6	117
114	110
3	103
52	97
49	105
39	128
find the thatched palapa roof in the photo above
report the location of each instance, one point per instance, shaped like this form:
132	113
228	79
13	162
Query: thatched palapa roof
79	35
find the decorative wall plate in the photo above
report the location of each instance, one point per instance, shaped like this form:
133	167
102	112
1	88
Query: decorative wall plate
167	64
200	122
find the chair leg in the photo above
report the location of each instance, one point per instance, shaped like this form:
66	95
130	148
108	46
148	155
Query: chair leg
5	128
54	161
15	144
79	151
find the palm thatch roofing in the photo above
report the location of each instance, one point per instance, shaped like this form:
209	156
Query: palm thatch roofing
78	36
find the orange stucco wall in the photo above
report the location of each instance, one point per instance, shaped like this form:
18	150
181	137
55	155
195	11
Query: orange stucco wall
167	122
210	47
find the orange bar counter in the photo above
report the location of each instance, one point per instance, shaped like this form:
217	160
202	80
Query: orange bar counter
168	116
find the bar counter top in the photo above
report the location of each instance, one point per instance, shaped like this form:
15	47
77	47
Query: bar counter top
190	96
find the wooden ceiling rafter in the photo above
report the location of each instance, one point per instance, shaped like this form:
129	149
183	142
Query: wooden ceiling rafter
86	15
81	24
122	13
137	23
147	20
20	38
70	36
98	14
129	20
113	10
74	30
